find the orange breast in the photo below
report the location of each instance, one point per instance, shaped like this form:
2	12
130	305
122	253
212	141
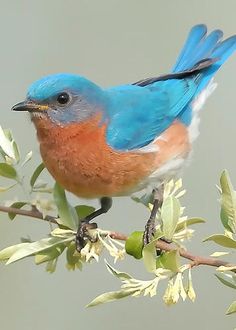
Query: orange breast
78	157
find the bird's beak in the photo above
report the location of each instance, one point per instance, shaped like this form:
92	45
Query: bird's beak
29	106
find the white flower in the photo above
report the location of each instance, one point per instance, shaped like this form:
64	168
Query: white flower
190	290
92	250
186	233
173	189
175	290
45	206
115	248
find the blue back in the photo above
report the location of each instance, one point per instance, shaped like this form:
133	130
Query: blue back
137	115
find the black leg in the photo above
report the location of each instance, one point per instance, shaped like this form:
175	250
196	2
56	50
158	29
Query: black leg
106	203
150	225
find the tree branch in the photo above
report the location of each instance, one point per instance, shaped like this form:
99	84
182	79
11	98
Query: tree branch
33	213
195	260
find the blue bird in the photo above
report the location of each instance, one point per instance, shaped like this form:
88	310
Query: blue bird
100	143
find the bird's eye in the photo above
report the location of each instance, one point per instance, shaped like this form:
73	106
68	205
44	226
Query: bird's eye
63	98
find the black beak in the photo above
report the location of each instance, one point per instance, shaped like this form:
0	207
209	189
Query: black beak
28	106
24	106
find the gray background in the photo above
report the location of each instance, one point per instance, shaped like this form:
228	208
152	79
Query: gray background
113	42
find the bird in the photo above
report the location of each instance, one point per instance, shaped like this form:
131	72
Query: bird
106	142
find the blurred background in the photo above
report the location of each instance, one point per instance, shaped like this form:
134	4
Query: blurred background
113	42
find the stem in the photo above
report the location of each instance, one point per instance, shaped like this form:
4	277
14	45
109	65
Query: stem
195	260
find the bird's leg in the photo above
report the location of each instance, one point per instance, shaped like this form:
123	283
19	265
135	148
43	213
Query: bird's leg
106	203
150	225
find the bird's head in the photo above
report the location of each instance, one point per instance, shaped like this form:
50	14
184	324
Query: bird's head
63	98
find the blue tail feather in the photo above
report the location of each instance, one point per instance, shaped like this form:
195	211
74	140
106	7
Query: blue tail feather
196	34
200	46
202	50
205	47
222	52
224	49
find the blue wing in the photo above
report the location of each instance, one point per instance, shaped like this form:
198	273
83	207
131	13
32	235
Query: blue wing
139	113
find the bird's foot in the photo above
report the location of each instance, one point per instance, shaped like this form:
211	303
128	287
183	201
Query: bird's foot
150	229
83	235
82	232
149	233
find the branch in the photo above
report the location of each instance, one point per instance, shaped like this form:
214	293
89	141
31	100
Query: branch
195	260
33	213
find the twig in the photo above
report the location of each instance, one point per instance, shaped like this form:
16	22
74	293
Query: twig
34	213
195	260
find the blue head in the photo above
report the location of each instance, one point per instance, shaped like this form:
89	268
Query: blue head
64	98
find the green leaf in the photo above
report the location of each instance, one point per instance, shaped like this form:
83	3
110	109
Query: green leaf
109	297
227	279
73	258
64	233
27	158
44	189
149	256
227	268
222	240
225	219
5	143
16	205
51	265
16	152
228	203
9	251
37	247
150	253
49	254
170	213
232	308
8	134
84	210
36	174
116	273
67	214
218	254
192	221
169	260
134	244
40	185
8	171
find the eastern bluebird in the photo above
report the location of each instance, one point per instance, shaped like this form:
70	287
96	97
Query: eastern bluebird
100	143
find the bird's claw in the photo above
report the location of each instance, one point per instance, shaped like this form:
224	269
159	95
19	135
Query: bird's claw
149	231
82	235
